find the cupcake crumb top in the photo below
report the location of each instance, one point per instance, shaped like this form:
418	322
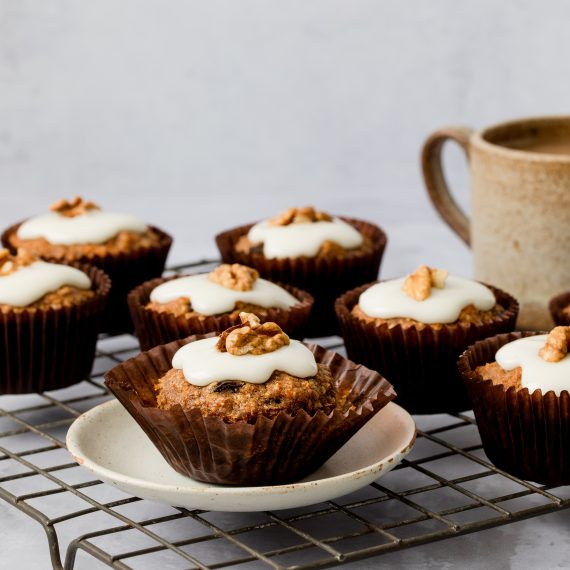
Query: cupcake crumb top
556	346
234	276
77	206
11	263
418	284
305	215
252	337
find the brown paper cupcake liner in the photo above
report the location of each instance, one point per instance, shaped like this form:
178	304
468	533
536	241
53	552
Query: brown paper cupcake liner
126	271
269	451
526	435
557	305
153	328
44	350
324	278
419	362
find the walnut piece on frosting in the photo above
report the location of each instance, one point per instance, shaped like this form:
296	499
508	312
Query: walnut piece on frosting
74	207
235	276
556	346
11	263
306	215
252	337
418	285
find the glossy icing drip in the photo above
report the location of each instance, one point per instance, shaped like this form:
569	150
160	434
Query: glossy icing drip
537	374
203	364
29	284
386	300
209	298
295	240
95	226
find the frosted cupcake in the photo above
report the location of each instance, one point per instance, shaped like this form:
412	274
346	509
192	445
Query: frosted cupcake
49	318
412	330
519	385
128	250
312	250
167	309
247	407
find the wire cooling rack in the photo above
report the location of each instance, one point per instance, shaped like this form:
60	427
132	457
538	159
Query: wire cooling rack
445	488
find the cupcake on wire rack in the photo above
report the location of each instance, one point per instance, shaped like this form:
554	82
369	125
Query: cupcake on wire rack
412	330
312	250
124	247
49	318
166	309
247	407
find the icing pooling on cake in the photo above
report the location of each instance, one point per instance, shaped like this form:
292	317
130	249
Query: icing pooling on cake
29	284
209	298
203	364
537	373
304	239
386	300
94	226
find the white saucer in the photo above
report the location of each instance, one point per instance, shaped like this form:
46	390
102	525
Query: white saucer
110	444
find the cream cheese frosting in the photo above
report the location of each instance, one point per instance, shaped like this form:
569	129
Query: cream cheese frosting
387	300
537	373
303	239
30	283
94	226
202	364
209	298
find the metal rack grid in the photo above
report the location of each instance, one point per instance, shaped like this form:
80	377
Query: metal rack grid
445	488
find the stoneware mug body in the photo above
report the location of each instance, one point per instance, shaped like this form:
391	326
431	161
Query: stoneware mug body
520	207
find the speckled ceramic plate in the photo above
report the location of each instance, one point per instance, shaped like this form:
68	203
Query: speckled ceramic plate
110	444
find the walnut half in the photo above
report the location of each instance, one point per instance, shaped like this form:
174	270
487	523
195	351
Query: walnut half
11	263
252	337
306	215
74	207
418	285
235	276
556	346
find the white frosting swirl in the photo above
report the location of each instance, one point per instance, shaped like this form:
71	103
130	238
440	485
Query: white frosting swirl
95	226
209	298
386	300
203	364
295	240
32	282
537	374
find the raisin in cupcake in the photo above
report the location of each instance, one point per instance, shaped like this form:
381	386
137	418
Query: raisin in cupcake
168	309
124	247
412	331
312	250
49	317
247	407
519	384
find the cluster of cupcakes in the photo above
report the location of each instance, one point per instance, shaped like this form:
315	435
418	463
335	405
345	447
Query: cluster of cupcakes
223	391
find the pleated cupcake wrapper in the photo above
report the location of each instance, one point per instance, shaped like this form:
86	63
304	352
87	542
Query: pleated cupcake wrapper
524	434
153	328
557	305
44	350
270	451
126	271
420	363
323	277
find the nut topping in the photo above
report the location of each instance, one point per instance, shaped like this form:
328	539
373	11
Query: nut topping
11	263
74	207
304	215
235	276
252	337
418	285
556	346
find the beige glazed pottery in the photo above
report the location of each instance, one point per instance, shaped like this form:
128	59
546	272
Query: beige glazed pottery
520	207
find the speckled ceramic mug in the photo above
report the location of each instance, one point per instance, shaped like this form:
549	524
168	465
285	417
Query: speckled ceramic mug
519	228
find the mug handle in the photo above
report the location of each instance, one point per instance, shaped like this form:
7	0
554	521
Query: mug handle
434	178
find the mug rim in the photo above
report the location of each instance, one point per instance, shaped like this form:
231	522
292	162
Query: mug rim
479	139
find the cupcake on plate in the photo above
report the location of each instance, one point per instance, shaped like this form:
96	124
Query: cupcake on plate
519	385
412	330
247	407
49	317
312	250
124	247
168	309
